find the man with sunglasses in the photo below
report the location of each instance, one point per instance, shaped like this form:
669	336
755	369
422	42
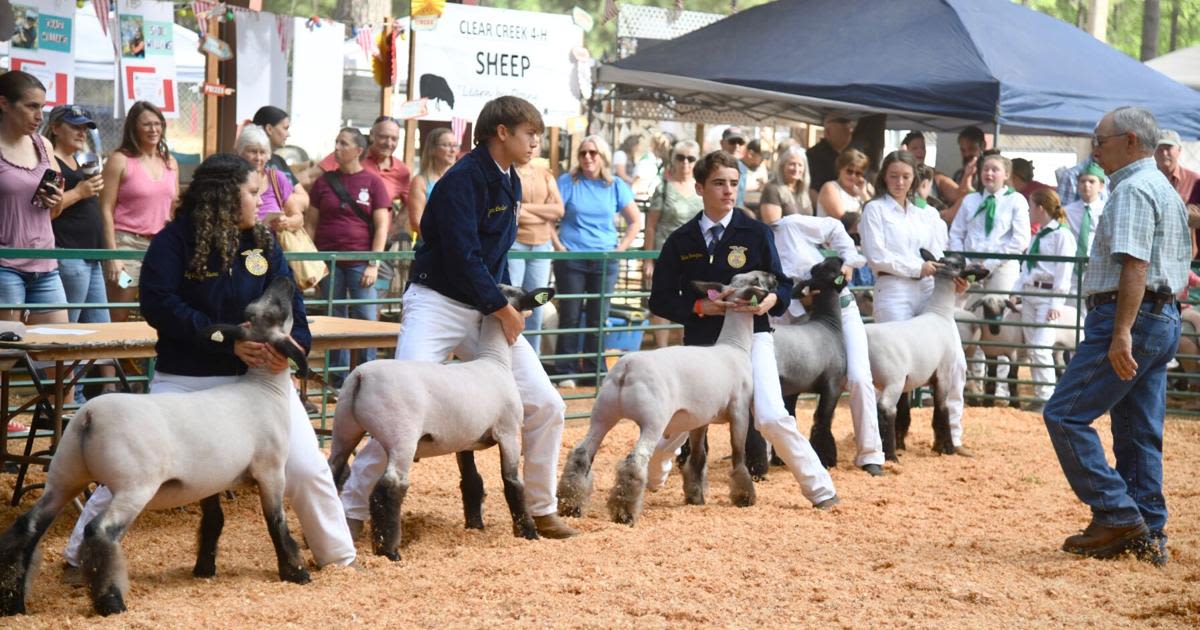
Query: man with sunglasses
1138	263
733	142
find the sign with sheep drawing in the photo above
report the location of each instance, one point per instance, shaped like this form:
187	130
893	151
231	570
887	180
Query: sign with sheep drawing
475	54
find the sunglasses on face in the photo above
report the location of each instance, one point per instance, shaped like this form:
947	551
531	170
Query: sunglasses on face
589	153
736	141
685	158
854	173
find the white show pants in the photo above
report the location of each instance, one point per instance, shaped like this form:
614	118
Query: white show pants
862	388
432	327
772	420
899	299
1034	311
999	283
308	487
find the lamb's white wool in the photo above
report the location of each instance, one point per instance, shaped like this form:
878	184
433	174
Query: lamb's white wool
919	351
669	391
416	409
159	451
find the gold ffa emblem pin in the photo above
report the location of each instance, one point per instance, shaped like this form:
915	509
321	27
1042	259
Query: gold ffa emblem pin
737	256
256	263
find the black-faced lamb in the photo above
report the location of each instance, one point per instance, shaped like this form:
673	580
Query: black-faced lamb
999	340
919	351
160	451
416	409
811	355
668	391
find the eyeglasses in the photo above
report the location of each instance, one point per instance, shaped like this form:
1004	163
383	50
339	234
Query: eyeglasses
853	173
589	153
1099	140
683	158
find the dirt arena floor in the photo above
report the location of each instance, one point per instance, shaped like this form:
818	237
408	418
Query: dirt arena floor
938	542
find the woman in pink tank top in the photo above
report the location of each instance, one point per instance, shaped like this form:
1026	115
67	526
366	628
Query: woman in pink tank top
141	184
24	203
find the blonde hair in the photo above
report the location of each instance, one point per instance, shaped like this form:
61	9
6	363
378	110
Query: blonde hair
785	156
605	159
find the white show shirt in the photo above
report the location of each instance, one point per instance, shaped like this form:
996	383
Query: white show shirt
798	238
1074	212
1058	242
892	237
1010	231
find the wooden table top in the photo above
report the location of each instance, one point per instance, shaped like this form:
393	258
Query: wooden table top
135	340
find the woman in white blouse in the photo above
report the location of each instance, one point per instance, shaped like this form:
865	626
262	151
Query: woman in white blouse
799	239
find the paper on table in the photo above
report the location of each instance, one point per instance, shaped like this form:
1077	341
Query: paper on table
59	331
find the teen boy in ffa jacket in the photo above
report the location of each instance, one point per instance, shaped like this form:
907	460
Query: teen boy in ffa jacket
468	227
716	245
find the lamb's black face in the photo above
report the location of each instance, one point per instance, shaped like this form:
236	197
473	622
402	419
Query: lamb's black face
827	274
753	284
271	313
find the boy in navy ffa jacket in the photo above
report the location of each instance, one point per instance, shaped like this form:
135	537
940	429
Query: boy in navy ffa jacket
468	227
715	245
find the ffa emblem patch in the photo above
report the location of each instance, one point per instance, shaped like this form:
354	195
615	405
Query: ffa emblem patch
256	263
737	257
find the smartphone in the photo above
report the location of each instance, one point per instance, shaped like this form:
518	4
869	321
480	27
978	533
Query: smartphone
124	280
49	178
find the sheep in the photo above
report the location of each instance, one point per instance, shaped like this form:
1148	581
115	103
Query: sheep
812	355
999	339
669	391
415	409
919	351
159	451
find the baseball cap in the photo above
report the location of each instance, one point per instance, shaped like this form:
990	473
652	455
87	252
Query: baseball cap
1170	137
72	115
733	133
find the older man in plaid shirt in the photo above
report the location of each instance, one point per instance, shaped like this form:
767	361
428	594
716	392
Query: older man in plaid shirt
1138	263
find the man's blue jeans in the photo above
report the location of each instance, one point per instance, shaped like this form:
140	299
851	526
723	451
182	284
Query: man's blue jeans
347	281
528	275
1133	492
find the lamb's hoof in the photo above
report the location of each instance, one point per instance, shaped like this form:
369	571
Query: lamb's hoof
525	529
623	517
12	602
295	575
900	446
758	478
205	570
875	470
693	499
743	499
572	511
891	457
944	448
394	556
475	521
828	504
110	603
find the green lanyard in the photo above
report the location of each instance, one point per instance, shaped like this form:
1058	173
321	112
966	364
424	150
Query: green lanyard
1037	244
989	206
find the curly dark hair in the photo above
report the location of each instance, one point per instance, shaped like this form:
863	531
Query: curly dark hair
212	205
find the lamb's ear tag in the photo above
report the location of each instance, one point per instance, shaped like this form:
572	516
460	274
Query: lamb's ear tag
840	280
217	336
971	278
541	297
753	300
714	295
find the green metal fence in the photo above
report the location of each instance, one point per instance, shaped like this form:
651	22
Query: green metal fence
628	299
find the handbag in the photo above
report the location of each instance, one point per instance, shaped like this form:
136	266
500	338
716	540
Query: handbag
307	273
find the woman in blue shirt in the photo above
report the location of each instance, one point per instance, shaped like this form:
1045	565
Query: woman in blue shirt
593	198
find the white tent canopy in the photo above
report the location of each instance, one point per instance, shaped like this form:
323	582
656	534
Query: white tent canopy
95	57
1181	65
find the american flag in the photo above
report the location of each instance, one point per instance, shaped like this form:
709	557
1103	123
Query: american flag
366	40
102	7
458	126
610	10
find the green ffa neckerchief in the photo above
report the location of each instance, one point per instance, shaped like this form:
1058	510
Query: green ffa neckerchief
989	206
1037	244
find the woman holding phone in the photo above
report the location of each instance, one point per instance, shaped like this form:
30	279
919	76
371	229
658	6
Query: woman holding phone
30	186
76	218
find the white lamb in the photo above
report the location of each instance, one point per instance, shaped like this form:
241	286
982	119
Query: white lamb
416	409
160	451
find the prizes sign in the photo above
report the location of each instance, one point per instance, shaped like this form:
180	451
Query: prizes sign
44	46
475	54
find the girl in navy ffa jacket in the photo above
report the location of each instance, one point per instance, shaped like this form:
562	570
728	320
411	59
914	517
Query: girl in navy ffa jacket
716	245
203	268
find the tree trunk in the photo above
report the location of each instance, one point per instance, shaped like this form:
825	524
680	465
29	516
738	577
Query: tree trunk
1151	15
1173	43
362	12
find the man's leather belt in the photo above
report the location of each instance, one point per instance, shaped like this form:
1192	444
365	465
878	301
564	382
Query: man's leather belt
1108	297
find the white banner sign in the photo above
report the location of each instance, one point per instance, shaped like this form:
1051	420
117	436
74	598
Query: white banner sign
44	46
475	54
146	43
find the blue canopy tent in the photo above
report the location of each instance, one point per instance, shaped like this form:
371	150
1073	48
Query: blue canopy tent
928	64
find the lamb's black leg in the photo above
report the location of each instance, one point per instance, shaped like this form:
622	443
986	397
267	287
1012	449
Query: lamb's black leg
471	485
287	552
514	491
1013	376
756	454
942	442
386	503
887	430
789	403
682	457
821	435
901	420
103	564
693	471
212	520
17	547
989	385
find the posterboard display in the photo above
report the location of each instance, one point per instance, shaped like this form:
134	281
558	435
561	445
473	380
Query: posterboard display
316	103
475	54
44	46
146	44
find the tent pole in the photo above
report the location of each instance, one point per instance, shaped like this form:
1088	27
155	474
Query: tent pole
996	136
